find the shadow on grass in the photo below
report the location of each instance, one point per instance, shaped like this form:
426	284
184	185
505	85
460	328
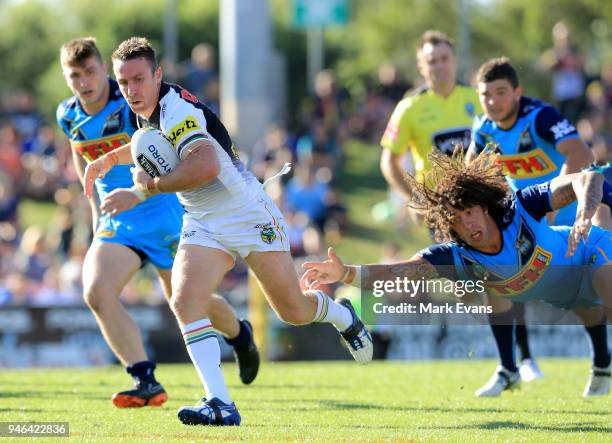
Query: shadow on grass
50	394
334	404
513	425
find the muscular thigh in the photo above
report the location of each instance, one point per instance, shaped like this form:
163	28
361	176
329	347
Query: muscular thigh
109	266
276	274
198	270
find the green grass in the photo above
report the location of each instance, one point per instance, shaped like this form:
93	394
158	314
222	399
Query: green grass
388	401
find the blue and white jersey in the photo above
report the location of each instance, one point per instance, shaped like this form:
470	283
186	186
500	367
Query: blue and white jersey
528	150
531	263
94	135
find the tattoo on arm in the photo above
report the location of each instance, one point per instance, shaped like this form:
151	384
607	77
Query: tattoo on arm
562	195
592	193
414	268
586	187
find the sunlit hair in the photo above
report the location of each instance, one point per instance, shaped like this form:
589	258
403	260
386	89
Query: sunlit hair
136	47
435	38
76	51
451	184
497	69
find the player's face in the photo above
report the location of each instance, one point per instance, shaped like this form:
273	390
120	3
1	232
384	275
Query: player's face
138	84
437	64
88	81
475	227
500	101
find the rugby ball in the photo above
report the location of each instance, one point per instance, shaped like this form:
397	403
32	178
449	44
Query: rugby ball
153	152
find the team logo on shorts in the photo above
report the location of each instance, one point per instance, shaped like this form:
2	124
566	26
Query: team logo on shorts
106	233
267	233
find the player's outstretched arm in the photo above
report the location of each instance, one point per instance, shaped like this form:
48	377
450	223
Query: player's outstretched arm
334	270
100	166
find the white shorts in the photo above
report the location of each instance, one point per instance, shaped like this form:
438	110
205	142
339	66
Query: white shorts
258	227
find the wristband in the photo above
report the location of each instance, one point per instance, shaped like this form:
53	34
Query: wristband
356	280
346	274
138	193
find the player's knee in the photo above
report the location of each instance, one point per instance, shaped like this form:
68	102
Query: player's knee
185	304
97	296
294	316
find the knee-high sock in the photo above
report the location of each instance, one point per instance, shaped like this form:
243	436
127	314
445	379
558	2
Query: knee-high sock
599	344
203	348
330	312
502	326
520	331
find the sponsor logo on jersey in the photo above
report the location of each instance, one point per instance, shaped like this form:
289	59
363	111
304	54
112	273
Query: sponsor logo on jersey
96	147
562	128
525	243
470	109
266	232
525	143
391	132
446	140
184	127
526	165
114	122
526	278
147	166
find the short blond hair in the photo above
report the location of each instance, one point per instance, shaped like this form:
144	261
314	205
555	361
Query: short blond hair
76	51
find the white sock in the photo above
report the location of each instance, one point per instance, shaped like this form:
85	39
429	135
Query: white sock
330	312
203	348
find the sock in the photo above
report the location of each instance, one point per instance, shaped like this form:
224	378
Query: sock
599	344
330	312
502	326
520	331
242	340
143	371
203	348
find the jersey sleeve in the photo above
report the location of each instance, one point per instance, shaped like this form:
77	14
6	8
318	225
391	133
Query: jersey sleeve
441	258
398	133
184	126
59	117
478	142
536	200
552	126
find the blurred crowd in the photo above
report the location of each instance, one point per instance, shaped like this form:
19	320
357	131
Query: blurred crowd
41	265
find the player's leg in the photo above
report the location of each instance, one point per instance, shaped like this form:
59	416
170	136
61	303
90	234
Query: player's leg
237	333
196	273
277	277
506	375
101	293
528	367
594	322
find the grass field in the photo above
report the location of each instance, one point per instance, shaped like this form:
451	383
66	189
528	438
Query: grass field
389	401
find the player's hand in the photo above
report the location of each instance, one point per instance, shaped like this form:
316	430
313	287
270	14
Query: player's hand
141	179
322	273
98	169
118	201
580	230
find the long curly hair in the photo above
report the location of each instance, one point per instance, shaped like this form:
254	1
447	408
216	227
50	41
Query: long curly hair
453	184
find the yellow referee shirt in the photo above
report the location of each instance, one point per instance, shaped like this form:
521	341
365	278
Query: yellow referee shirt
424	120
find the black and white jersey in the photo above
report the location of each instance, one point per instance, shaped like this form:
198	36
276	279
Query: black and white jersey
184	120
